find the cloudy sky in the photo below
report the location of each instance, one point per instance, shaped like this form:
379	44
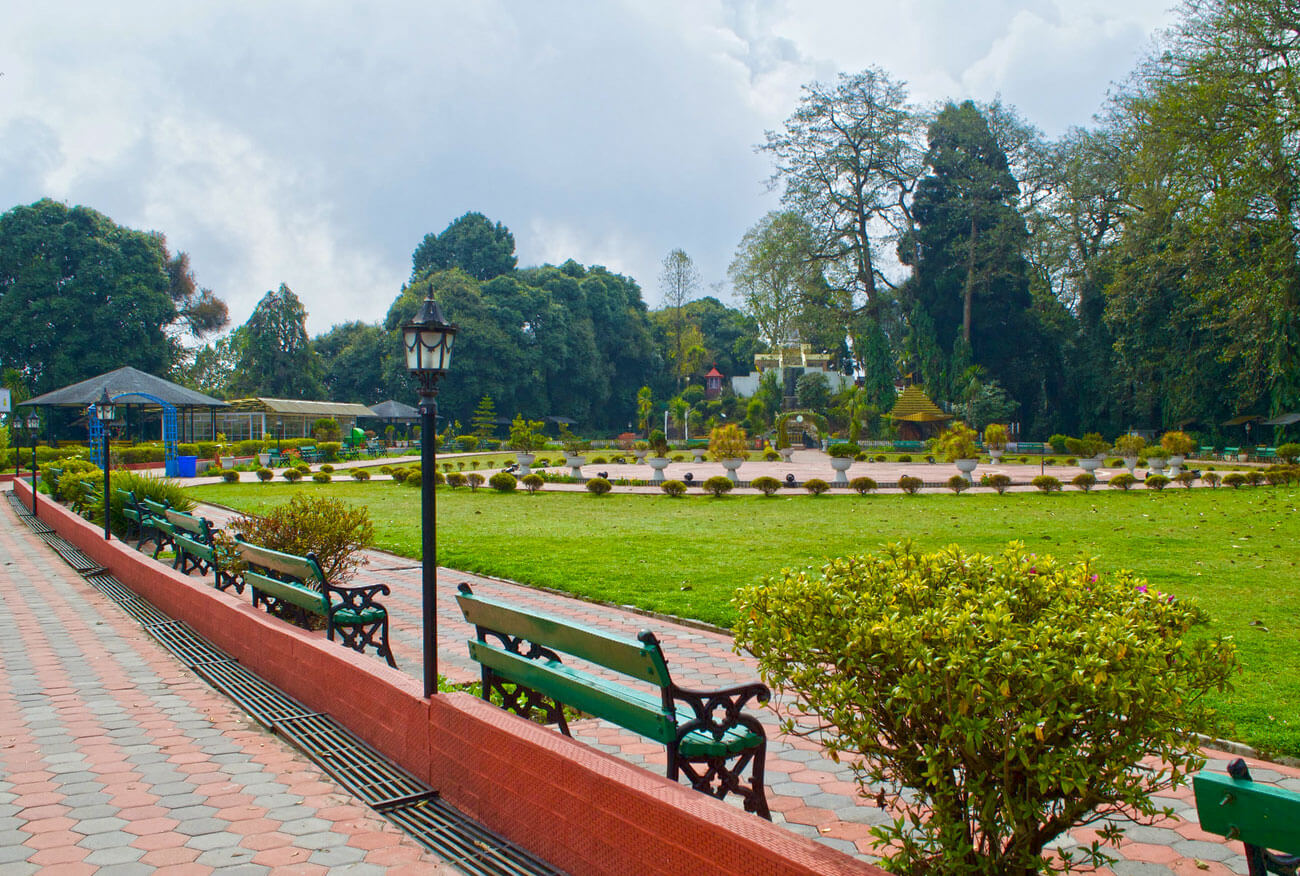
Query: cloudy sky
316	143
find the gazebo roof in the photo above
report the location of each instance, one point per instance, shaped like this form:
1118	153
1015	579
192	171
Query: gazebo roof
394	410
1242	420
121	384
1282	420
714	372
301	406
914	406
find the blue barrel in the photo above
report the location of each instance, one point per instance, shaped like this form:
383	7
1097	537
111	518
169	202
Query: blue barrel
185	466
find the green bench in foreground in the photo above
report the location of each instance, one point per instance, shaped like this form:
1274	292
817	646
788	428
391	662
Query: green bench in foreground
1263	817
196	549
281	581
707	734
154	525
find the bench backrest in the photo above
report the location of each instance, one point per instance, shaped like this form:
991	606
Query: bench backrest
127	497
155	508
196	527
640	659
305	570
1257	814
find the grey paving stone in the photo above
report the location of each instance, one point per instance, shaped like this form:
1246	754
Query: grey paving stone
188	813
11	854
107	840
794	789
179	801
1140	868
90	826
361	869
303	826
222	858
114	855
20	867
830	801
1157	836
842	845
1203	850
202	826
128	869
336	854
208	841
13	837
322	839
85	798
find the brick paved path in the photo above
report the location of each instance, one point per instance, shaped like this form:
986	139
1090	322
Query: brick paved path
115	760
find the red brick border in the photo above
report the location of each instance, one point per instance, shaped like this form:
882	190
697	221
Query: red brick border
582	810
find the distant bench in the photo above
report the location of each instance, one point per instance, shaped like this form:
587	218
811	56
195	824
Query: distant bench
1263	817
707	734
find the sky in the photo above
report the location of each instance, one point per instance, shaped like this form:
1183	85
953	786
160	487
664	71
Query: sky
316	143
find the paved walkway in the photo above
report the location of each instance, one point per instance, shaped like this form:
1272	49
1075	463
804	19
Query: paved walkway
115	760
807	791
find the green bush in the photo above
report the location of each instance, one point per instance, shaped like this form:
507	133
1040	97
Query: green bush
1157	482
265	474
1211	478
1122	481
1085	480
1289	451
905	457
1058	443
999	482
302	468
532	482
161	490
415	478
322	477
474	479
503	482
765	484
673	489
771	455
292	475
327	468
334	531
230	476
843	450
816	486
958	484
717	486
965	687
598	460
863	485
455	479
1254	477
599	486
1047	484
910	485
1234	479
73	469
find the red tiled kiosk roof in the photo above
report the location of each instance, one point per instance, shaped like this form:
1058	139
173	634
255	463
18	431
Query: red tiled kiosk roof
914	406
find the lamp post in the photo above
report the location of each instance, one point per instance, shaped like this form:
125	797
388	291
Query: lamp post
33	424
102	410
428	341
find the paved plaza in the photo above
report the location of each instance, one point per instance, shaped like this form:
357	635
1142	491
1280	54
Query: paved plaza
113	755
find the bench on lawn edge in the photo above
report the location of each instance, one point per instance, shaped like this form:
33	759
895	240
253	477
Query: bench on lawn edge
1263	817
196	549
279	580
707	734
154	525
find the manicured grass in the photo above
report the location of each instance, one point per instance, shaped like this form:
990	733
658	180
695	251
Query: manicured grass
1235	551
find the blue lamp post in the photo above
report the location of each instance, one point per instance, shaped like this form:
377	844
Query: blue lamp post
33	424
428	340
103	411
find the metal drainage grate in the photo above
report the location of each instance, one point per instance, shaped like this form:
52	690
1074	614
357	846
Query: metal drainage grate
264	702
352	762
71	555
469	846
129	602
17	504
187	645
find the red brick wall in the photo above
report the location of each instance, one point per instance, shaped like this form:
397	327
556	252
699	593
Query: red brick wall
580	809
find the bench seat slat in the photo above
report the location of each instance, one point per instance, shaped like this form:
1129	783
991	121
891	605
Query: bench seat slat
629	658
296	594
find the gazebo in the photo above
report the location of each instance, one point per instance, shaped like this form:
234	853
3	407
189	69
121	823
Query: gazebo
393	412
140	395
917	417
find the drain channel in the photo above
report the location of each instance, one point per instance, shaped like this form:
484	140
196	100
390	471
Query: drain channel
349	760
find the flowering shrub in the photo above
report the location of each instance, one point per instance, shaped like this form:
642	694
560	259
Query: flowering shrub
973	702
333	530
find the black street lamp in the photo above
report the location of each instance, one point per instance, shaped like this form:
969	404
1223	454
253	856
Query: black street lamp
33	424
428	340
102	410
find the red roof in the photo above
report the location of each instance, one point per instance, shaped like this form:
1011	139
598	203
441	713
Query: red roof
714	372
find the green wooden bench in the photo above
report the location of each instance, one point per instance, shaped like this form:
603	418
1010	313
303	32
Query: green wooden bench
1031	448
708	735
286	583
154	525
276	458
310	454
56	475
1263	817
134	516
197	550
909	446
85	498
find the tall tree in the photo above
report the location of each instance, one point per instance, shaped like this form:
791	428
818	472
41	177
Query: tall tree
679	281
200	312
80	295
275	355
352	362
773	272
474	244
848	160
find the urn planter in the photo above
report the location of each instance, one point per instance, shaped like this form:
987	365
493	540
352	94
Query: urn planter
841	465
786	453
698	453
966	466
996	454
1176	464
658	463
574	462
524	460
731	464
1130	463
1090	464
639	454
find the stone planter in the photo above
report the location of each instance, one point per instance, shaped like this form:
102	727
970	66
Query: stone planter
574	462
1090	464
1156	464
698	453
1130	463
639	454
1176	464
227	462
264	460
524	460
658	463
841	465
996	454
731	464
786	453
966	466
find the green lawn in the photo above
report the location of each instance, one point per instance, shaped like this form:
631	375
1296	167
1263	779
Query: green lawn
1236	551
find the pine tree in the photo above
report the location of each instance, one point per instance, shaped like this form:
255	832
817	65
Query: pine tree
485	417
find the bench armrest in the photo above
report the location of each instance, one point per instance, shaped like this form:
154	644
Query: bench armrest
356	599
717	712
